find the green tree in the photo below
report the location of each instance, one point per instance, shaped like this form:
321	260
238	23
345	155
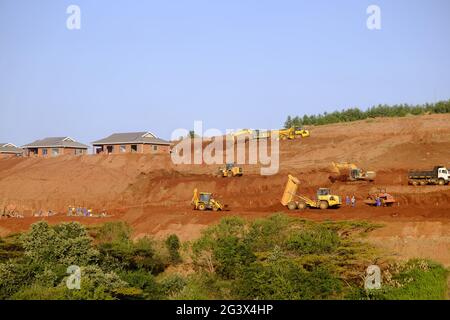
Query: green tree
173	246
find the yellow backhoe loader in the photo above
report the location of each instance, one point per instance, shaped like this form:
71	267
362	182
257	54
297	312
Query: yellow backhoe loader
345	171
204	201
294	201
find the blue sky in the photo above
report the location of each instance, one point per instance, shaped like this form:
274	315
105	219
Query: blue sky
160	65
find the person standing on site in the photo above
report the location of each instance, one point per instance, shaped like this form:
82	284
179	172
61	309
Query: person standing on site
353	201
347	200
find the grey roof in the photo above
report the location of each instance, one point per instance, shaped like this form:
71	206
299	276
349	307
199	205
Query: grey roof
54	142
9	148
131	137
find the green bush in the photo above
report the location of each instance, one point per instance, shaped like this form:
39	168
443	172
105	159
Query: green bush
172	285
129	255
173	246
313	240
223	248
67	244
146	282
285	280
414	280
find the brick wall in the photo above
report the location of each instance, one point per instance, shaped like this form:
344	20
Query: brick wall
61	151
141	148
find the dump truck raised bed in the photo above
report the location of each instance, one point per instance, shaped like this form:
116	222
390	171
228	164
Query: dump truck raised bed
439	175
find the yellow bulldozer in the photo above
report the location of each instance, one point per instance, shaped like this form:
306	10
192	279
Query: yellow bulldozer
325	199
204	201
345	171
230	170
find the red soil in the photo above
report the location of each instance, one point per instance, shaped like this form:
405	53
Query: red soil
153	195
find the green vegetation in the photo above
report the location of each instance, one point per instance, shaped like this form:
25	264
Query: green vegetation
354	114
273	258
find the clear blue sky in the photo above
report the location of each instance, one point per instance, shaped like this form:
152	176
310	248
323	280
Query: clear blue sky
160	65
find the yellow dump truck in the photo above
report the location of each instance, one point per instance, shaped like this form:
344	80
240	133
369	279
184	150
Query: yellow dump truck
294	201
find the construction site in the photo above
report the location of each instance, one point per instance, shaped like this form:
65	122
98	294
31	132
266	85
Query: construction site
155	196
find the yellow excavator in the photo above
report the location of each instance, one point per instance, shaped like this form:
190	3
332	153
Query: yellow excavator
230	170
293	201
204	201
345	171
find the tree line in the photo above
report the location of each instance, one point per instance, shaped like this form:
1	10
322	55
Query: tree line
354	114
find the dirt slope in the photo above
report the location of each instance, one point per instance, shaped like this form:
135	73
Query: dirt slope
153	194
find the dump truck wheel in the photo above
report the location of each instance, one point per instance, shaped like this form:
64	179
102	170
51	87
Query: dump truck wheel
230	174
422	183
323	205
215	209
201	207
441	182
302	205
292	205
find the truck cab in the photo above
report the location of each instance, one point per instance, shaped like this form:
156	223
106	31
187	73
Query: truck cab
442	173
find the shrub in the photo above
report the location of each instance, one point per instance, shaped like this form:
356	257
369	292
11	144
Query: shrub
173	246
66	244
313	240
223	248
146	282
285	280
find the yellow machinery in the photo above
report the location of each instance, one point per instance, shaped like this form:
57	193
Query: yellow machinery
291	133
243	132
350	172
283	134
231	170
204	201
294	201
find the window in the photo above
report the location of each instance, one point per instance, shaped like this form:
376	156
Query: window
134	148
78	151
44	152
123	148
155	148
55	152
109	149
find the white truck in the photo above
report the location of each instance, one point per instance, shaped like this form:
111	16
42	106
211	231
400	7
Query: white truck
439	175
